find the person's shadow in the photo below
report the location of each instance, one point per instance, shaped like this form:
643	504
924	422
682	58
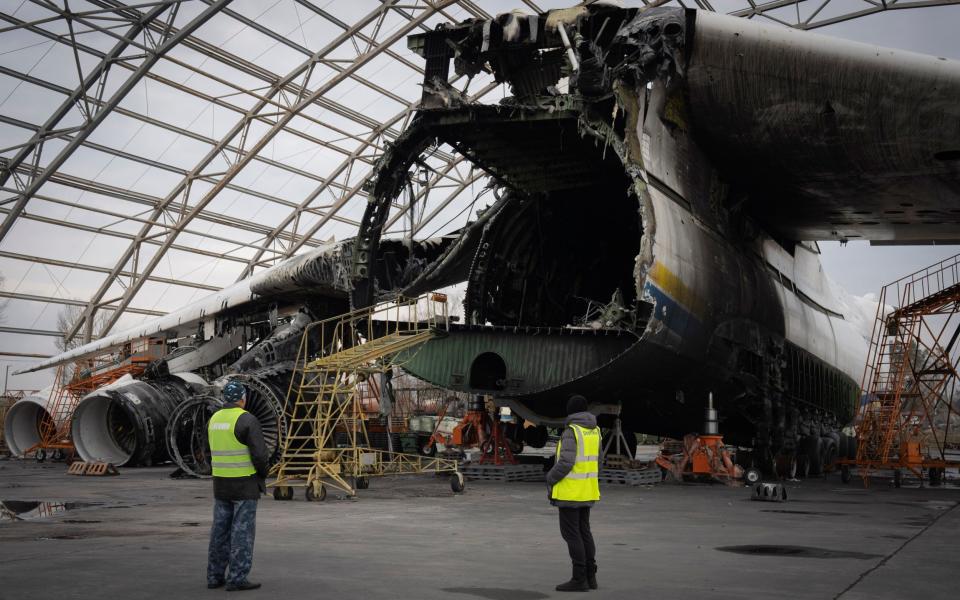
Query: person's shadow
497	593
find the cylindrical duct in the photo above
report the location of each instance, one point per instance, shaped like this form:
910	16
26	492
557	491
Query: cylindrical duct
266	400
187	442
123	423
21	428
710	421
186	435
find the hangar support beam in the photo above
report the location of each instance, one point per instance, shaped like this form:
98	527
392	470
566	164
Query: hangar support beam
100	71
241	128
94	120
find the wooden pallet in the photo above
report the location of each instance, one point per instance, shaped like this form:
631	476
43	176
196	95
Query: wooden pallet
630	477
618	462
521	472
98	469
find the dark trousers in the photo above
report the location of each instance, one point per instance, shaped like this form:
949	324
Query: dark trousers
575	529
231	541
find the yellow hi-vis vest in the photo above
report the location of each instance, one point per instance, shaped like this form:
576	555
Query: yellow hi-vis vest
581	484
228	456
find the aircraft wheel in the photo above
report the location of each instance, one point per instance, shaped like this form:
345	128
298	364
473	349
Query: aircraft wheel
787	465
803	466
361	483
536	437
751	476
935	476
40	455
814	447
845	473
851	447
829	454
457	483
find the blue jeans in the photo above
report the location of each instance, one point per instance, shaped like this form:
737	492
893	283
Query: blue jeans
231	541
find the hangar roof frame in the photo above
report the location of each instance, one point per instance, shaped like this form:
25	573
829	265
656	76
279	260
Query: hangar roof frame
187	50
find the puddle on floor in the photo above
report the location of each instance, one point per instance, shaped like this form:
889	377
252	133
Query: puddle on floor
28	510
804	512
497	593
80	521
796	551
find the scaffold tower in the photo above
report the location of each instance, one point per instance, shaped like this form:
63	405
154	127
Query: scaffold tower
910	379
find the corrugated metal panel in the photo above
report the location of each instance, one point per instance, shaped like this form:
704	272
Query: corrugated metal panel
535	360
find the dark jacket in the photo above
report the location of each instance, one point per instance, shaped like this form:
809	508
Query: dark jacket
247	431
568	455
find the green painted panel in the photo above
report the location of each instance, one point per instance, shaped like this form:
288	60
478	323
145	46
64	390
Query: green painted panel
534	360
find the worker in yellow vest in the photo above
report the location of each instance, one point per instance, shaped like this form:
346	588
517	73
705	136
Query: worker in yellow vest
574	488
239	458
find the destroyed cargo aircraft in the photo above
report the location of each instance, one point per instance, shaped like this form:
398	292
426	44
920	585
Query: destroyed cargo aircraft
661	178
665	175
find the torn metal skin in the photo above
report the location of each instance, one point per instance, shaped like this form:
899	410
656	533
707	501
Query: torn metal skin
622	198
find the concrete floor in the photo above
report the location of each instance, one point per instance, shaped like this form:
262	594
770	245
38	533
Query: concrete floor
412	537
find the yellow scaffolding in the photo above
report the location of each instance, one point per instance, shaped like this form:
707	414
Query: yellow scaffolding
335	355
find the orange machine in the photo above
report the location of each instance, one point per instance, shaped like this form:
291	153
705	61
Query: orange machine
704	456
478	428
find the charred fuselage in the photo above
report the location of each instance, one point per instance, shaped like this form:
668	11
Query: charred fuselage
630	257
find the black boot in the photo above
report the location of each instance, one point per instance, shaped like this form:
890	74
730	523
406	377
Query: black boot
577	583
242	586
592	575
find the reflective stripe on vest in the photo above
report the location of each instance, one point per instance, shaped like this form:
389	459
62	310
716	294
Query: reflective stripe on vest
228	456
581	483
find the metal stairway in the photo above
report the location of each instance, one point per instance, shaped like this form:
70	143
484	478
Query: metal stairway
323	401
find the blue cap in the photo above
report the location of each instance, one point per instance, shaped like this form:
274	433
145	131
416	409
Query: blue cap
234	391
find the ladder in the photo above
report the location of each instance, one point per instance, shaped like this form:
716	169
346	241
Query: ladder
326	442
54	427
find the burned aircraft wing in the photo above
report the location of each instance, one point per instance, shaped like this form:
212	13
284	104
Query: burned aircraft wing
321	272
317	282
663	175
